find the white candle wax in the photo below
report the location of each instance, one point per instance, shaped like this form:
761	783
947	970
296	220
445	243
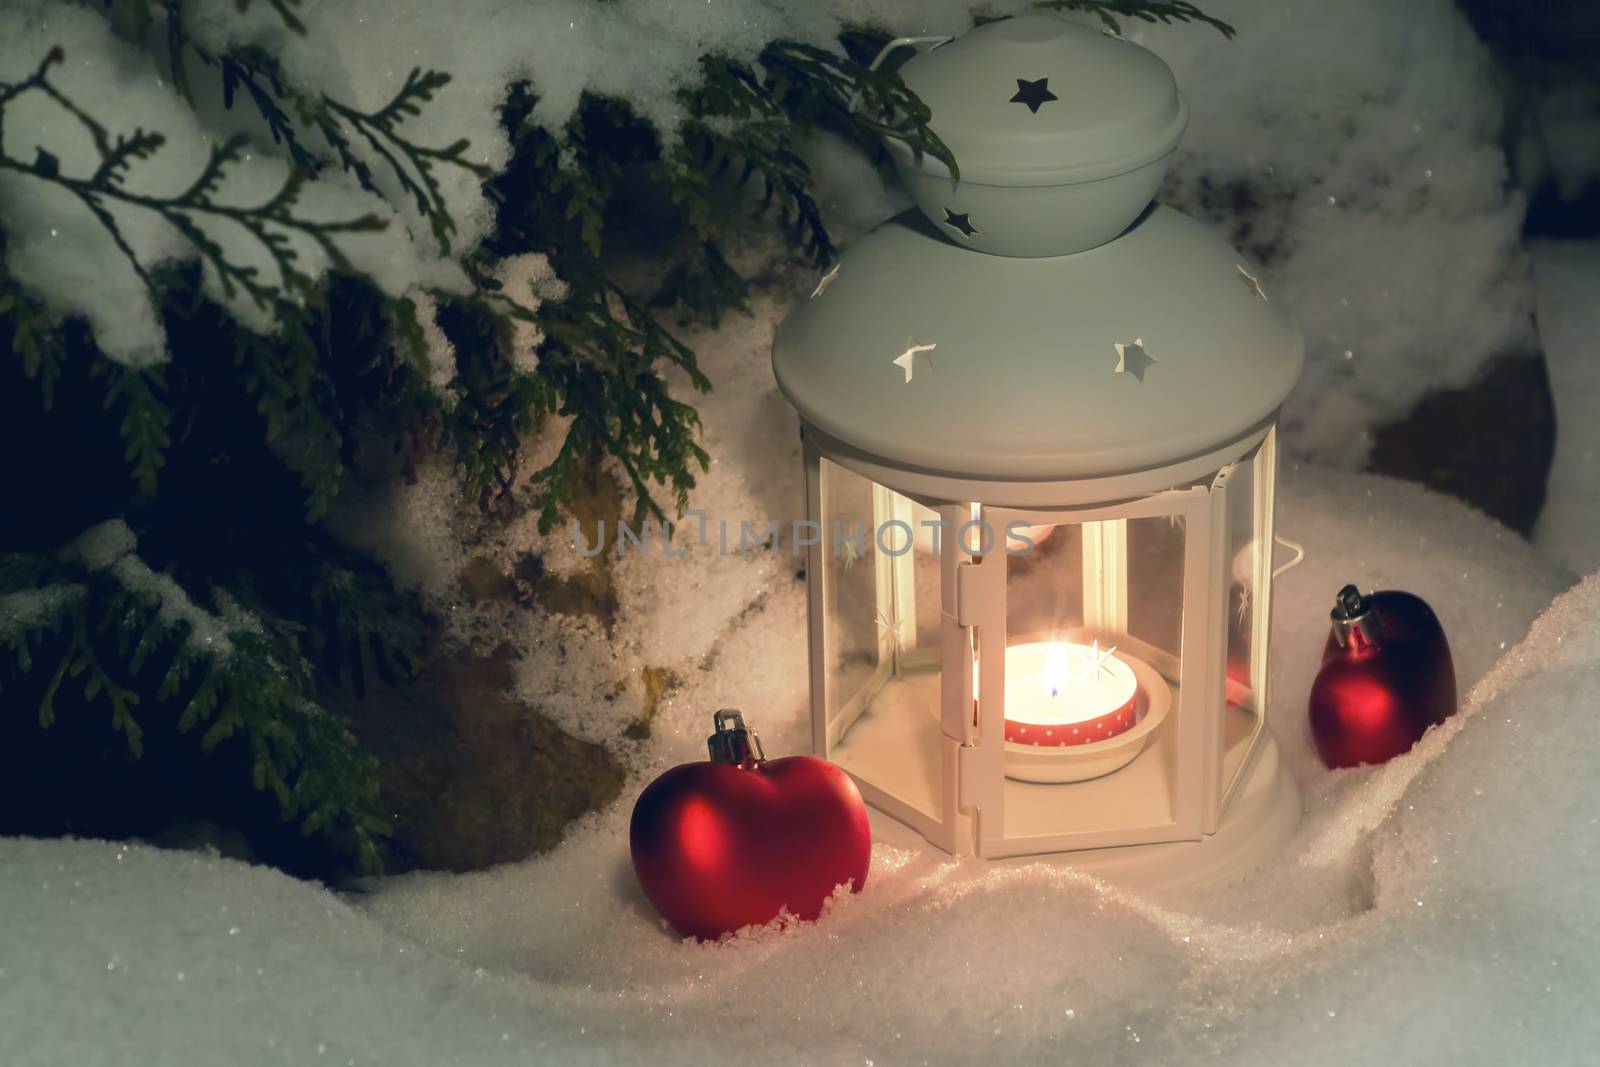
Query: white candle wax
1059	683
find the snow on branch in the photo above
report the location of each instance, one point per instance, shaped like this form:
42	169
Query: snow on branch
101	622
1166	11
269	222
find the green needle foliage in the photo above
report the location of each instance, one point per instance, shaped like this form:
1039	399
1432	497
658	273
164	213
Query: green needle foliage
96	617
1168	11
209	474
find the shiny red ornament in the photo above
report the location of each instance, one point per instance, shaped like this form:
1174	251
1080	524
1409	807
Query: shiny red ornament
1386	677
721	845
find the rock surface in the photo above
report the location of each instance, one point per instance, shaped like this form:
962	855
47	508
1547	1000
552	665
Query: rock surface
471	776
1490	443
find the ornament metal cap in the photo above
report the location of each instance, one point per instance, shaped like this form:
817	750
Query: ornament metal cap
735	743
1354	613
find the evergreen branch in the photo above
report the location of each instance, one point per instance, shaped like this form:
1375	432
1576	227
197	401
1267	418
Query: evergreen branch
361	626
121	156
284	9
247	678
270	223
416	177
295	398
248	69
144	418
176	38
598	364
586	178
816	86
32	335
1164	11
412	165
618	403
737	120
706	283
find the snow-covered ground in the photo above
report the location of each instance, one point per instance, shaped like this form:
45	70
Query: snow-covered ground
1441	908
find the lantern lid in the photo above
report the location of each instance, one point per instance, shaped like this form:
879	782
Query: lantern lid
1037	100
1145	351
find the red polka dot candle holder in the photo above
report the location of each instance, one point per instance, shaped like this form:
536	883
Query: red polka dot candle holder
1077	710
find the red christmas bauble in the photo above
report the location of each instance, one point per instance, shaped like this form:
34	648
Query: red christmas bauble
1386	677
735	841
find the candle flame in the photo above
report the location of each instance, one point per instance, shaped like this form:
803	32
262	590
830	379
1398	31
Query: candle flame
1057	672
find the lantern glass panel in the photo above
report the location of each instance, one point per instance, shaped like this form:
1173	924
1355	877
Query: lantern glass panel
1248	590
849	593
1075	764
1155	586
882	645
1044	583
1243	568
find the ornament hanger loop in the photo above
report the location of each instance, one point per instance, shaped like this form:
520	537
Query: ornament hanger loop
1354	614
734	742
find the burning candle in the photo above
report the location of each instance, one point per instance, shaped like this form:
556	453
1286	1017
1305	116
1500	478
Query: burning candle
1067	693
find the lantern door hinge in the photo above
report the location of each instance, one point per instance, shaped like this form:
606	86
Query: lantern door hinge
967	772
975	597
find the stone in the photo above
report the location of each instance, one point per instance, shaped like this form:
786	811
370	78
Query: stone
1490	443
470	775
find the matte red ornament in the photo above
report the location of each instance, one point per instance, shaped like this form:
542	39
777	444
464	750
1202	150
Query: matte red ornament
1386	677
721	845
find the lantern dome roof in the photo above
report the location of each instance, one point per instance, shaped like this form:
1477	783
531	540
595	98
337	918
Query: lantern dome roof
1145	351
1037	100
1061	135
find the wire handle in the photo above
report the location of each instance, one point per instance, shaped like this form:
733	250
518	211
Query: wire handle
1299	556
899	42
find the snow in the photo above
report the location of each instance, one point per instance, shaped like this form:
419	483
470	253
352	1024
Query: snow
49	244
357	52
23	612
112	547
120	953
1484	873
1439	908
1367	138
64	254
1569	326
1379	179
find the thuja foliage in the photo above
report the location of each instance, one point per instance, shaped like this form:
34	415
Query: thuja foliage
1110	11
95	615
169	559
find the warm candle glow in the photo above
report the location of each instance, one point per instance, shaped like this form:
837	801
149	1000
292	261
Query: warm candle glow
1067	693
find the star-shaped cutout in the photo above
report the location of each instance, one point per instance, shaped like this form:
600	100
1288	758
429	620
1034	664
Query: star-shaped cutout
891	627
825	281
1093	660
1133	359
1251	282
1033	93
961	223
914	356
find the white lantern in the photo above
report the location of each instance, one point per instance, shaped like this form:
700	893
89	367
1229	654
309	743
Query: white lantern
1042	470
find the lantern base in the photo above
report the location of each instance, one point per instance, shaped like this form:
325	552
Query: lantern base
1260	818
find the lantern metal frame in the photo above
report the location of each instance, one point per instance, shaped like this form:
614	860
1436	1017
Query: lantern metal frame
1060	261
1205	774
